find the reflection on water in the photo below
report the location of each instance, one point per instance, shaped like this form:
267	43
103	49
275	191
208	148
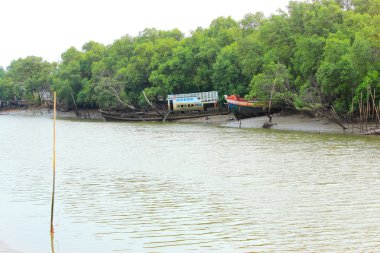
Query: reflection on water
177	188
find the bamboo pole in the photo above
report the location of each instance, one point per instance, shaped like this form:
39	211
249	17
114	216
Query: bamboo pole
52	243
53	192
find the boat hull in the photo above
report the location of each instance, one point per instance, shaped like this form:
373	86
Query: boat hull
114	116
242	108
243	112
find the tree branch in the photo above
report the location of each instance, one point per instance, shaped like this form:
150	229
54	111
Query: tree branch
117	96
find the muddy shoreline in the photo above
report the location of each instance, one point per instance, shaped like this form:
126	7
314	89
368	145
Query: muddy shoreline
288	121
46	112
293	121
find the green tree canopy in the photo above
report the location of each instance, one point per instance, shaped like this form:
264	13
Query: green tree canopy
317	53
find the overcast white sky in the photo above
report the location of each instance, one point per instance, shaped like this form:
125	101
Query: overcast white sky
46	28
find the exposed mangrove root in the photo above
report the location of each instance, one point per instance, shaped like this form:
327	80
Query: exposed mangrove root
331	115
369	110
75	104
268	125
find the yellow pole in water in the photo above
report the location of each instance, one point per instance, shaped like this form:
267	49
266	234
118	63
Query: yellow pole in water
52	199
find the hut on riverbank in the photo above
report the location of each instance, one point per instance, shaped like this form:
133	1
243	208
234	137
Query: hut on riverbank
193	101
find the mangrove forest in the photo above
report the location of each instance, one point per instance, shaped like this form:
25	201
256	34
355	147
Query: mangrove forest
320	53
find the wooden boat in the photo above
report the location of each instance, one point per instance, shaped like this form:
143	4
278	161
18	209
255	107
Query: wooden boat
242	108
165	116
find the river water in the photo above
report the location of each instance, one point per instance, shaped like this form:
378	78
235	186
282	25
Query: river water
186	188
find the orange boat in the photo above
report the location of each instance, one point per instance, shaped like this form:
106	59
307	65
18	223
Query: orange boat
243	108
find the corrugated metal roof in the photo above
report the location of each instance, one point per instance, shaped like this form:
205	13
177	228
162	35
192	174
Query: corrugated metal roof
204	97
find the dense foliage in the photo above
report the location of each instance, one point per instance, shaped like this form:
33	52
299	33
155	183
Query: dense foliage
318	53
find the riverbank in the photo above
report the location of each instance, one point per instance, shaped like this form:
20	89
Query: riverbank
293	121
43	111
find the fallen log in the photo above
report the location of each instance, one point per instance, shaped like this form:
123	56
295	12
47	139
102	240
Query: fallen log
373	132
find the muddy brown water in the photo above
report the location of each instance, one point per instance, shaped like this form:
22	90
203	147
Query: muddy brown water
125	187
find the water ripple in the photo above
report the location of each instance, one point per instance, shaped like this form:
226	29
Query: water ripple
178	188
